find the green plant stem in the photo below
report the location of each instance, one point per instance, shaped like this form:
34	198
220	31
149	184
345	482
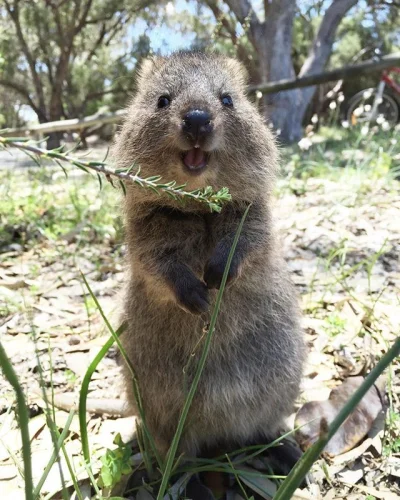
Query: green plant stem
71	473
23	418
84	392
299	471
98	496
135	383
143	450
174	445
54	455
206	195
51	424
227	469
239	482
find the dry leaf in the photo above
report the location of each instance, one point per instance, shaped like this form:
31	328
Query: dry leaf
354	429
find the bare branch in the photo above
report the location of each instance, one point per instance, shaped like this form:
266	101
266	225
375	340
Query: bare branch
242	10
110	31
322	45
57	19
44	45
95	95
116	27
244	13
13	12
97	43
83	18
98	20
353	71
21	90
221	17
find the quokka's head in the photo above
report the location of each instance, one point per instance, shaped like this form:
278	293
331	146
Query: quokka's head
191	121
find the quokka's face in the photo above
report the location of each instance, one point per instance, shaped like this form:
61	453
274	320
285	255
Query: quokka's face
187	112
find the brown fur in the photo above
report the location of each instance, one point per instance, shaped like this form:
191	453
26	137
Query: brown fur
177	254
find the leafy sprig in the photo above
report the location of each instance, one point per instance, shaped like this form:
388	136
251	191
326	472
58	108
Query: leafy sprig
213	199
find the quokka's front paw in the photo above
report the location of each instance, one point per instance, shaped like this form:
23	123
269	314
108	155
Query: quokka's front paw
192	295
214	271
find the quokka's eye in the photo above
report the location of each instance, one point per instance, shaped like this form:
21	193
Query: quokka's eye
163	101
226	100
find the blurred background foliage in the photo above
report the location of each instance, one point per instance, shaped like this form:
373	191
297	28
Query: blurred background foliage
72	58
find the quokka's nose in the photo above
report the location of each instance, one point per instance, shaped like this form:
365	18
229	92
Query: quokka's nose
197	124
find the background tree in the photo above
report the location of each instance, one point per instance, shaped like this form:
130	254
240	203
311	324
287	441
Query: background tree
323	34
59	55
270	32
72	58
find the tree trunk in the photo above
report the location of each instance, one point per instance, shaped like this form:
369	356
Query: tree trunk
56	105
54	140
272	40
318	58
277	52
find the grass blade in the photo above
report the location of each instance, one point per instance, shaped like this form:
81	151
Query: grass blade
299	471
85	389
174	445
23	418
54	455
136	392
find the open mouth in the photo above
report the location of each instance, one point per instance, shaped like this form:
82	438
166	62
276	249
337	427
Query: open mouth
195	160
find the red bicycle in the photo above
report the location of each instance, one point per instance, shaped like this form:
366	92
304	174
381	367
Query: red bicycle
371	105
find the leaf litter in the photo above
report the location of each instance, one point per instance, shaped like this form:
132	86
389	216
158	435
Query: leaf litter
342	243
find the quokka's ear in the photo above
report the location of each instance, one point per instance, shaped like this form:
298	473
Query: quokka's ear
148	66
238	69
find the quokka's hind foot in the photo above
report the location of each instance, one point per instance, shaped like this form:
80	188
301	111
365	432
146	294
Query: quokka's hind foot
282	457
197	490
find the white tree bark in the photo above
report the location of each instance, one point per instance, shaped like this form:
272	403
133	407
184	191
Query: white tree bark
320	52
278	54
272	41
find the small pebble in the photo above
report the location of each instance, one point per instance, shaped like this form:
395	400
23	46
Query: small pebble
74	340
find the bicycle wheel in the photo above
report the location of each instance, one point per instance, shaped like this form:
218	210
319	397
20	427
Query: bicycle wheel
360	105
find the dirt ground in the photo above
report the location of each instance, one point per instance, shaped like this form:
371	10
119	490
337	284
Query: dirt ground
341	240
